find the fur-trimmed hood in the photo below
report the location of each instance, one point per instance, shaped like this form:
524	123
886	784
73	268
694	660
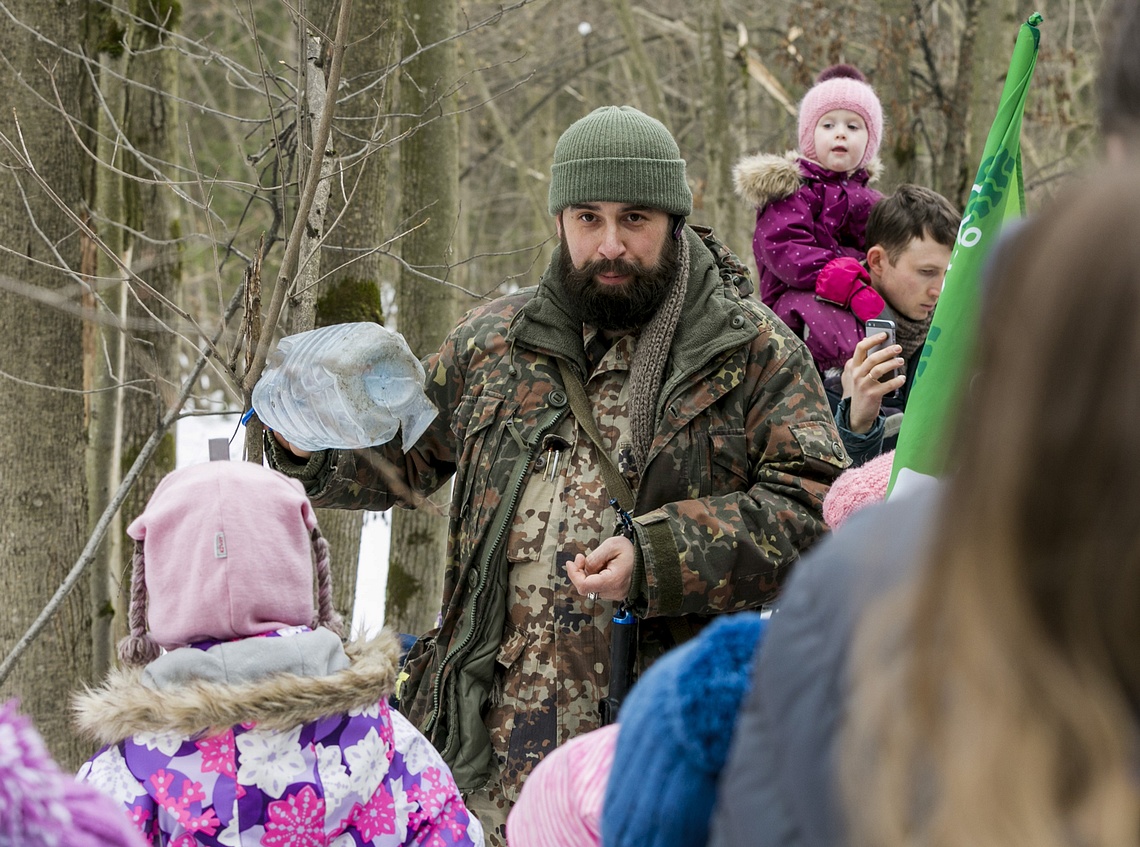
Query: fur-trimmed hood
124	705
766	177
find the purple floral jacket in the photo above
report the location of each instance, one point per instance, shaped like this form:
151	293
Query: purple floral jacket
806	216
313	755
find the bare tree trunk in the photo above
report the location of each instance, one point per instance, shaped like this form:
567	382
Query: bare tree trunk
150	124
352	267
953	179
531	188
642	69
340	528
720	205
43	501
997	33
892	83
429	179
104	351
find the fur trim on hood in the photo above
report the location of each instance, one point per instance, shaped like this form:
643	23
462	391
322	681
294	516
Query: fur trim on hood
766	177
123	706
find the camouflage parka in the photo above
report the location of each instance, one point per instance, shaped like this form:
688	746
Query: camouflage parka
744	453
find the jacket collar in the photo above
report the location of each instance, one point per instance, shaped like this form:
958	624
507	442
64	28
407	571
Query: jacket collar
765	178
812	169
124	705
310	653
546	324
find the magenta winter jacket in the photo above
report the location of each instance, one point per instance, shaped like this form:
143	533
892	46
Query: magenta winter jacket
806	216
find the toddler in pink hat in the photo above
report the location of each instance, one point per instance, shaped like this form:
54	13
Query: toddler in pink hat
241	717
811	215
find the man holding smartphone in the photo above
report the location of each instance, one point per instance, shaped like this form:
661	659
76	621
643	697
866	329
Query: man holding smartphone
910	235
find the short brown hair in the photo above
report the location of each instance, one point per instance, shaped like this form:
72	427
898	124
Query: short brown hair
911	212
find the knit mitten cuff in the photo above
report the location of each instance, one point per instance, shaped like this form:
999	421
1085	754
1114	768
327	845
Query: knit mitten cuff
306	470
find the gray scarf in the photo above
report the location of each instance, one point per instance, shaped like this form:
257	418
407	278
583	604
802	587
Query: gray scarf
648	367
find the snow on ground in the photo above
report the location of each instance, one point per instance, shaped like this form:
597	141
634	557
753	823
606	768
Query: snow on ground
194	434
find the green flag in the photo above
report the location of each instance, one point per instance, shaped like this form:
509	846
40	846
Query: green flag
997	195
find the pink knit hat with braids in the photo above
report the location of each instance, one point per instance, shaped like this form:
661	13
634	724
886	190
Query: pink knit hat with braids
841	87
224	550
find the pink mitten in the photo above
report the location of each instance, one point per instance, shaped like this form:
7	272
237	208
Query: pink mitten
844	282
866	303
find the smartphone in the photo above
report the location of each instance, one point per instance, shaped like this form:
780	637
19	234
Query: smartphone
874	327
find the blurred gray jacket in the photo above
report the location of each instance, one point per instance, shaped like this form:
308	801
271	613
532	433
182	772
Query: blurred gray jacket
779	784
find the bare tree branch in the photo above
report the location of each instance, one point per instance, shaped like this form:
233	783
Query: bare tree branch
293	244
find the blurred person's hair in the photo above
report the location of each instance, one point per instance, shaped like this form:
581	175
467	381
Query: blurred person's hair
913	211
996	697
1118	81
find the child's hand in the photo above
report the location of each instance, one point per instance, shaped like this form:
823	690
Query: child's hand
845	283
861	376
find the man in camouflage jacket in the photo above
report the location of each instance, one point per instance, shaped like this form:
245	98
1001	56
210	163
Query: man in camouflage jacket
710	409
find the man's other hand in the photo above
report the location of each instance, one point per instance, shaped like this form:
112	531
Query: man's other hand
606	571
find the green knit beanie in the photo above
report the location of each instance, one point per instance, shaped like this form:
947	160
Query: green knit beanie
621	155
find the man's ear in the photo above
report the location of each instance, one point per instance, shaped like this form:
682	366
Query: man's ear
558	225
876	258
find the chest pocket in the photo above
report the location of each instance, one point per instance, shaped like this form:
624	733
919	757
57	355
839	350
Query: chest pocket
820	445
717	463
535	512
715	457
728	461
479	435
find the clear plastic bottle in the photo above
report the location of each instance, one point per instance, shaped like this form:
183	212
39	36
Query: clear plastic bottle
344	386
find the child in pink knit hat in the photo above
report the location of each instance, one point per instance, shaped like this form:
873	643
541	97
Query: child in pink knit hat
811	213
241	718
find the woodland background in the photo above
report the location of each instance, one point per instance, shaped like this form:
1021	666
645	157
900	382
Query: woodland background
182	184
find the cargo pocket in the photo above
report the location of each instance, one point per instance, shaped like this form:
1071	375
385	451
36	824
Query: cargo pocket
526	705
506	674
820	444
514	641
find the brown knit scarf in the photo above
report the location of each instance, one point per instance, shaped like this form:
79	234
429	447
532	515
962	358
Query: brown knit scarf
910	334
648	367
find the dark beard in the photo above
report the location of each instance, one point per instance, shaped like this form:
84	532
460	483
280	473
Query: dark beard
623	307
